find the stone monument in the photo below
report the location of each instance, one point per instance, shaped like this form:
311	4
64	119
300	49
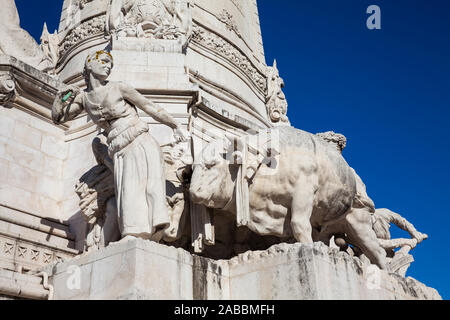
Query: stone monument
146	153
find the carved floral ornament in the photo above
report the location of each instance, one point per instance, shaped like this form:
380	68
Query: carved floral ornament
225	49
156	19
88	28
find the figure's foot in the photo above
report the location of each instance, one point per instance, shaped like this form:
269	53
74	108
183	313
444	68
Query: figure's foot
124	239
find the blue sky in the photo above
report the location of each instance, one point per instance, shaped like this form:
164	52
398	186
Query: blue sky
387	91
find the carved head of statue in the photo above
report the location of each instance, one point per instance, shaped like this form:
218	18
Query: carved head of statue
98	64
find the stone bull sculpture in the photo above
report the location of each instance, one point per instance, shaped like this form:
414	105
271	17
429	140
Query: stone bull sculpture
295	193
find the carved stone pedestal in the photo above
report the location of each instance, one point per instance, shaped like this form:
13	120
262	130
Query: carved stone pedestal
140	269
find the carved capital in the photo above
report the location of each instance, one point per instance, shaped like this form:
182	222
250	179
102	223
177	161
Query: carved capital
7	88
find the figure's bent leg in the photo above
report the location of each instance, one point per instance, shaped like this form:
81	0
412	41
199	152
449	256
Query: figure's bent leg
359	228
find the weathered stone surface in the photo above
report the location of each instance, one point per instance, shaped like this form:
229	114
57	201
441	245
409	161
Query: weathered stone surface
203	62
140	269
17	42
16	285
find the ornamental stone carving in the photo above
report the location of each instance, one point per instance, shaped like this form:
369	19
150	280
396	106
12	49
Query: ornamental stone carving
85	30
155	19
220	46
276	103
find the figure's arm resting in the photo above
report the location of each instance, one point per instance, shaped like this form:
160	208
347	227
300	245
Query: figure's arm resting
156	112
63	111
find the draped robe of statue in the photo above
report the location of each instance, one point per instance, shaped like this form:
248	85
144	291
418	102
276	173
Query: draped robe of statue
138	165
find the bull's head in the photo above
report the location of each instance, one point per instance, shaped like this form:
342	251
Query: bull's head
214	175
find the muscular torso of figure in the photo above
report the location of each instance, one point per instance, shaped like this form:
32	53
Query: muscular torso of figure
106	106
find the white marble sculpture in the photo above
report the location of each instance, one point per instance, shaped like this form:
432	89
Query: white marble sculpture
295	194
17	42
98	203
399	260
138	163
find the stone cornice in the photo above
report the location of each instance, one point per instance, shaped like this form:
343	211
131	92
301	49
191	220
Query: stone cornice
32	91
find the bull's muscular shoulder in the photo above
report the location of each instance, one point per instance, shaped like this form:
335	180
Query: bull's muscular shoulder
297	140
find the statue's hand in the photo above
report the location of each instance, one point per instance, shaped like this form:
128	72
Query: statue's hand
419	236
64	97
180	134
64	93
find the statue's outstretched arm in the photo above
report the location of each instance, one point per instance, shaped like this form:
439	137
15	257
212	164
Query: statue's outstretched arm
68	104
159	114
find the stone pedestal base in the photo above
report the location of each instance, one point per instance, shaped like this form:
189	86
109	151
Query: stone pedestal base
140	269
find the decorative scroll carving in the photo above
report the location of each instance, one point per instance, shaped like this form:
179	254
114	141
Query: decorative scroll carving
7	88
85	30
222	47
